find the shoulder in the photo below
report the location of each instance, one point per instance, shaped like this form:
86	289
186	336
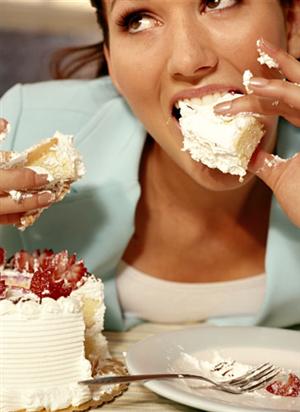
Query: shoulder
37	110
69	94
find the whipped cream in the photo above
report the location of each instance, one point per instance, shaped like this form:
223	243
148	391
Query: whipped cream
264	58
247	76
218	369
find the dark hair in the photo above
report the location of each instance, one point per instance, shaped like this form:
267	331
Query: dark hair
89	61
83	61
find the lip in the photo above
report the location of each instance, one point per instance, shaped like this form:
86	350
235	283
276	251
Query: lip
202	91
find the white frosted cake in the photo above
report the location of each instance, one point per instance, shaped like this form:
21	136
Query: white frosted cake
51	318
55	157
222	142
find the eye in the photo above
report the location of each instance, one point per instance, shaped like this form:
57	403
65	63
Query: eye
137	22
219	4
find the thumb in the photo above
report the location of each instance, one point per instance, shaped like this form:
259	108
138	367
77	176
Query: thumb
283	178
270	168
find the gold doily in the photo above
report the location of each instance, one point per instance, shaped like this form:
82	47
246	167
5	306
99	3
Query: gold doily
111	366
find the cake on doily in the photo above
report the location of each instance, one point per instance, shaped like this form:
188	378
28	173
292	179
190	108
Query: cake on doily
51	322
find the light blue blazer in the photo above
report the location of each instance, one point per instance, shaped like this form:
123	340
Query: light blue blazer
96	220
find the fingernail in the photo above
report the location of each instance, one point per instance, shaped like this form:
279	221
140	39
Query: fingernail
258	82
41	179
223	107
46	197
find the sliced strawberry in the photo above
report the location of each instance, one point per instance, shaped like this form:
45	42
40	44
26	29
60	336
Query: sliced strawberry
57	274
45	257
59	289
3	289
60	263
43	285
65	267
2	257
40	283
290	388
75	271
23	261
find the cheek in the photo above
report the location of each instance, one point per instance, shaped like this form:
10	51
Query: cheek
268	24
137	78
133	75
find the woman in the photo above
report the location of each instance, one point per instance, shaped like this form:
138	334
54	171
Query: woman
194	244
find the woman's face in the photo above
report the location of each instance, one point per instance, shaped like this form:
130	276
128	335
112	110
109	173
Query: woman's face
162	50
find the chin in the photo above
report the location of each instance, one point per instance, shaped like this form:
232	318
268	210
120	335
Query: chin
215	180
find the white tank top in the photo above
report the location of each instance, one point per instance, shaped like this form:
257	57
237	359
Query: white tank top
158	300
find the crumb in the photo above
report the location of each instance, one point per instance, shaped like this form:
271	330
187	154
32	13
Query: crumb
246	78
274	161
264	58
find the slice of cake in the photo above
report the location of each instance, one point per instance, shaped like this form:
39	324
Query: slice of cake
56	157
51	322
222	142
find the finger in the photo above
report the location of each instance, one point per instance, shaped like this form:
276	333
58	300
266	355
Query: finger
269	168
286	92
32	202
4	125
21	179
287	63
11	219
279	175
259	105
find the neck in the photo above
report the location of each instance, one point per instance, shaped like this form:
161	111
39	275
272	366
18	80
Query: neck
180	227
166	184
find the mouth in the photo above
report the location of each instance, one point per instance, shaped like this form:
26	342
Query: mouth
204	100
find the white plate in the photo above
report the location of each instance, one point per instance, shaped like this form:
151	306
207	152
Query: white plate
247	345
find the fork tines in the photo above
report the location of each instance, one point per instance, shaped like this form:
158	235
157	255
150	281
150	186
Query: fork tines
256	377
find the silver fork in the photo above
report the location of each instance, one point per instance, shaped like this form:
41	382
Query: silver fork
254	379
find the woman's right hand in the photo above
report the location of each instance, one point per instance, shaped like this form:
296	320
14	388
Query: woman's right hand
21	179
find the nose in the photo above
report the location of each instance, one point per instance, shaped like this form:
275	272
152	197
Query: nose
191	54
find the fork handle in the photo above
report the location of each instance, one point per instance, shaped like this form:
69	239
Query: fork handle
107	380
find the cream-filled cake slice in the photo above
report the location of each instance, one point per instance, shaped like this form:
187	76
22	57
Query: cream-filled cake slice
55	157
221	142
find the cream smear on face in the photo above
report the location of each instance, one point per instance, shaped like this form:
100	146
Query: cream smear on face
264	58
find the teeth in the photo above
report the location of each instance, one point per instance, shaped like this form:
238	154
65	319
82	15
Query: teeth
204	100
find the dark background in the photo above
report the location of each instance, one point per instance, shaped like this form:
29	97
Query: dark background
25	57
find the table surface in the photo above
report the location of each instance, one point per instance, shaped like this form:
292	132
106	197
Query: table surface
138	398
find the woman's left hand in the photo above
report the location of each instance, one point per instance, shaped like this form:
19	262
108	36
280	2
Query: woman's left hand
277	97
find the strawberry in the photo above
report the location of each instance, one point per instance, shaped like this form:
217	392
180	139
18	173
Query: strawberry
44	285
40	283
59	289
75	271
290	388
45	257
66	267
23	261
56	275
3	289
2	257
